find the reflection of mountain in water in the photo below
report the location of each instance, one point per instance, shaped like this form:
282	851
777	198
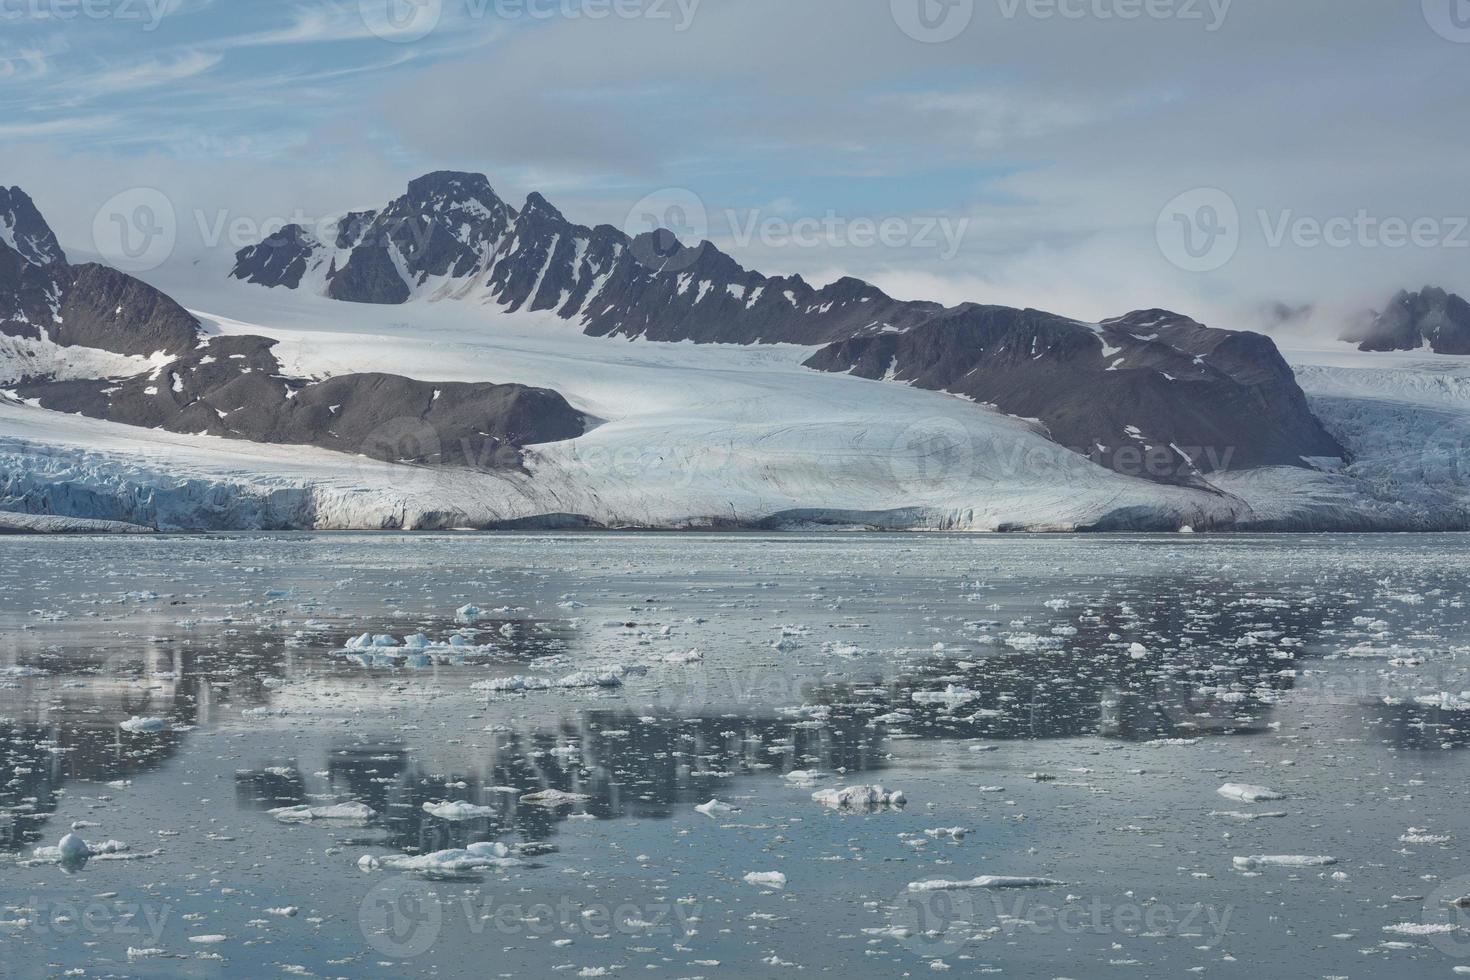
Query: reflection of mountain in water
60	723
630	767
1203	667
64	726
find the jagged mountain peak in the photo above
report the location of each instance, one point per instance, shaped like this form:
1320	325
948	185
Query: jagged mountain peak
540	207
23	230
1433	317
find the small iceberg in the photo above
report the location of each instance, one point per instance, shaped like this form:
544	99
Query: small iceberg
766	879
860	798
458	810
716	808
356	813
144	726
983	881
1247	793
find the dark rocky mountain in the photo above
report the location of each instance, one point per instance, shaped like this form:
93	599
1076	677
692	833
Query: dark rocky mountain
34	274
1429	318
1153	394
451	236
233	386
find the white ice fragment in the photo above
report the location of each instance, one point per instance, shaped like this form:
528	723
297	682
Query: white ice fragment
144	726
338	812
766	879
859	798
716	808
555	797
1247	793
1283	861
983	881
458	810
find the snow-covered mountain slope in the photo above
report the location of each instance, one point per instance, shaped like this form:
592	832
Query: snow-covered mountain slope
1151	394
692	435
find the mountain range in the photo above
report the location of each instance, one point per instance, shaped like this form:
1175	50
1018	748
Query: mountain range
1152	393
546	372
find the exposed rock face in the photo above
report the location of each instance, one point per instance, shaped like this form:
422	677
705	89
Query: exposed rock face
33	269
112	311
451	236
42	295
233	387
1151	394
1429	318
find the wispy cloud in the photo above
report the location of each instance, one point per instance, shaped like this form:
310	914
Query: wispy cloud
152	72
55	127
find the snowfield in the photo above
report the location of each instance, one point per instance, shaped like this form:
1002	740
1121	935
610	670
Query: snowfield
711	435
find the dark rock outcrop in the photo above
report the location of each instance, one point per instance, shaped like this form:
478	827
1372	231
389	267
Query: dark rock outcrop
233	387
33	269
111	310
1429	318
1152	394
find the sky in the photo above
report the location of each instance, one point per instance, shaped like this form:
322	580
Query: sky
1271	164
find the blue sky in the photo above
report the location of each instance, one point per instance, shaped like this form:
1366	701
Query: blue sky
1054	130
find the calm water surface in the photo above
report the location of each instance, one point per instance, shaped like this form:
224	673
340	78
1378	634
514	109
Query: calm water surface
1057	709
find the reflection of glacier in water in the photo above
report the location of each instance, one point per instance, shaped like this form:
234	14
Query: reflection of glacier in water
1234	659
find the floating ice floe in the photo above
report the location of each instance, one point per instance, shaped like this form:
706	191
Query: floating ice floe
555	797
859	798
1445	700
806	776
766	879
952	695
1242	815
1283	861
1422	928
953	833
468	614
475	857
1247	793
983	881
144	726
72	849
521	683
367	641
716	808
353	812
458	810
687	657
